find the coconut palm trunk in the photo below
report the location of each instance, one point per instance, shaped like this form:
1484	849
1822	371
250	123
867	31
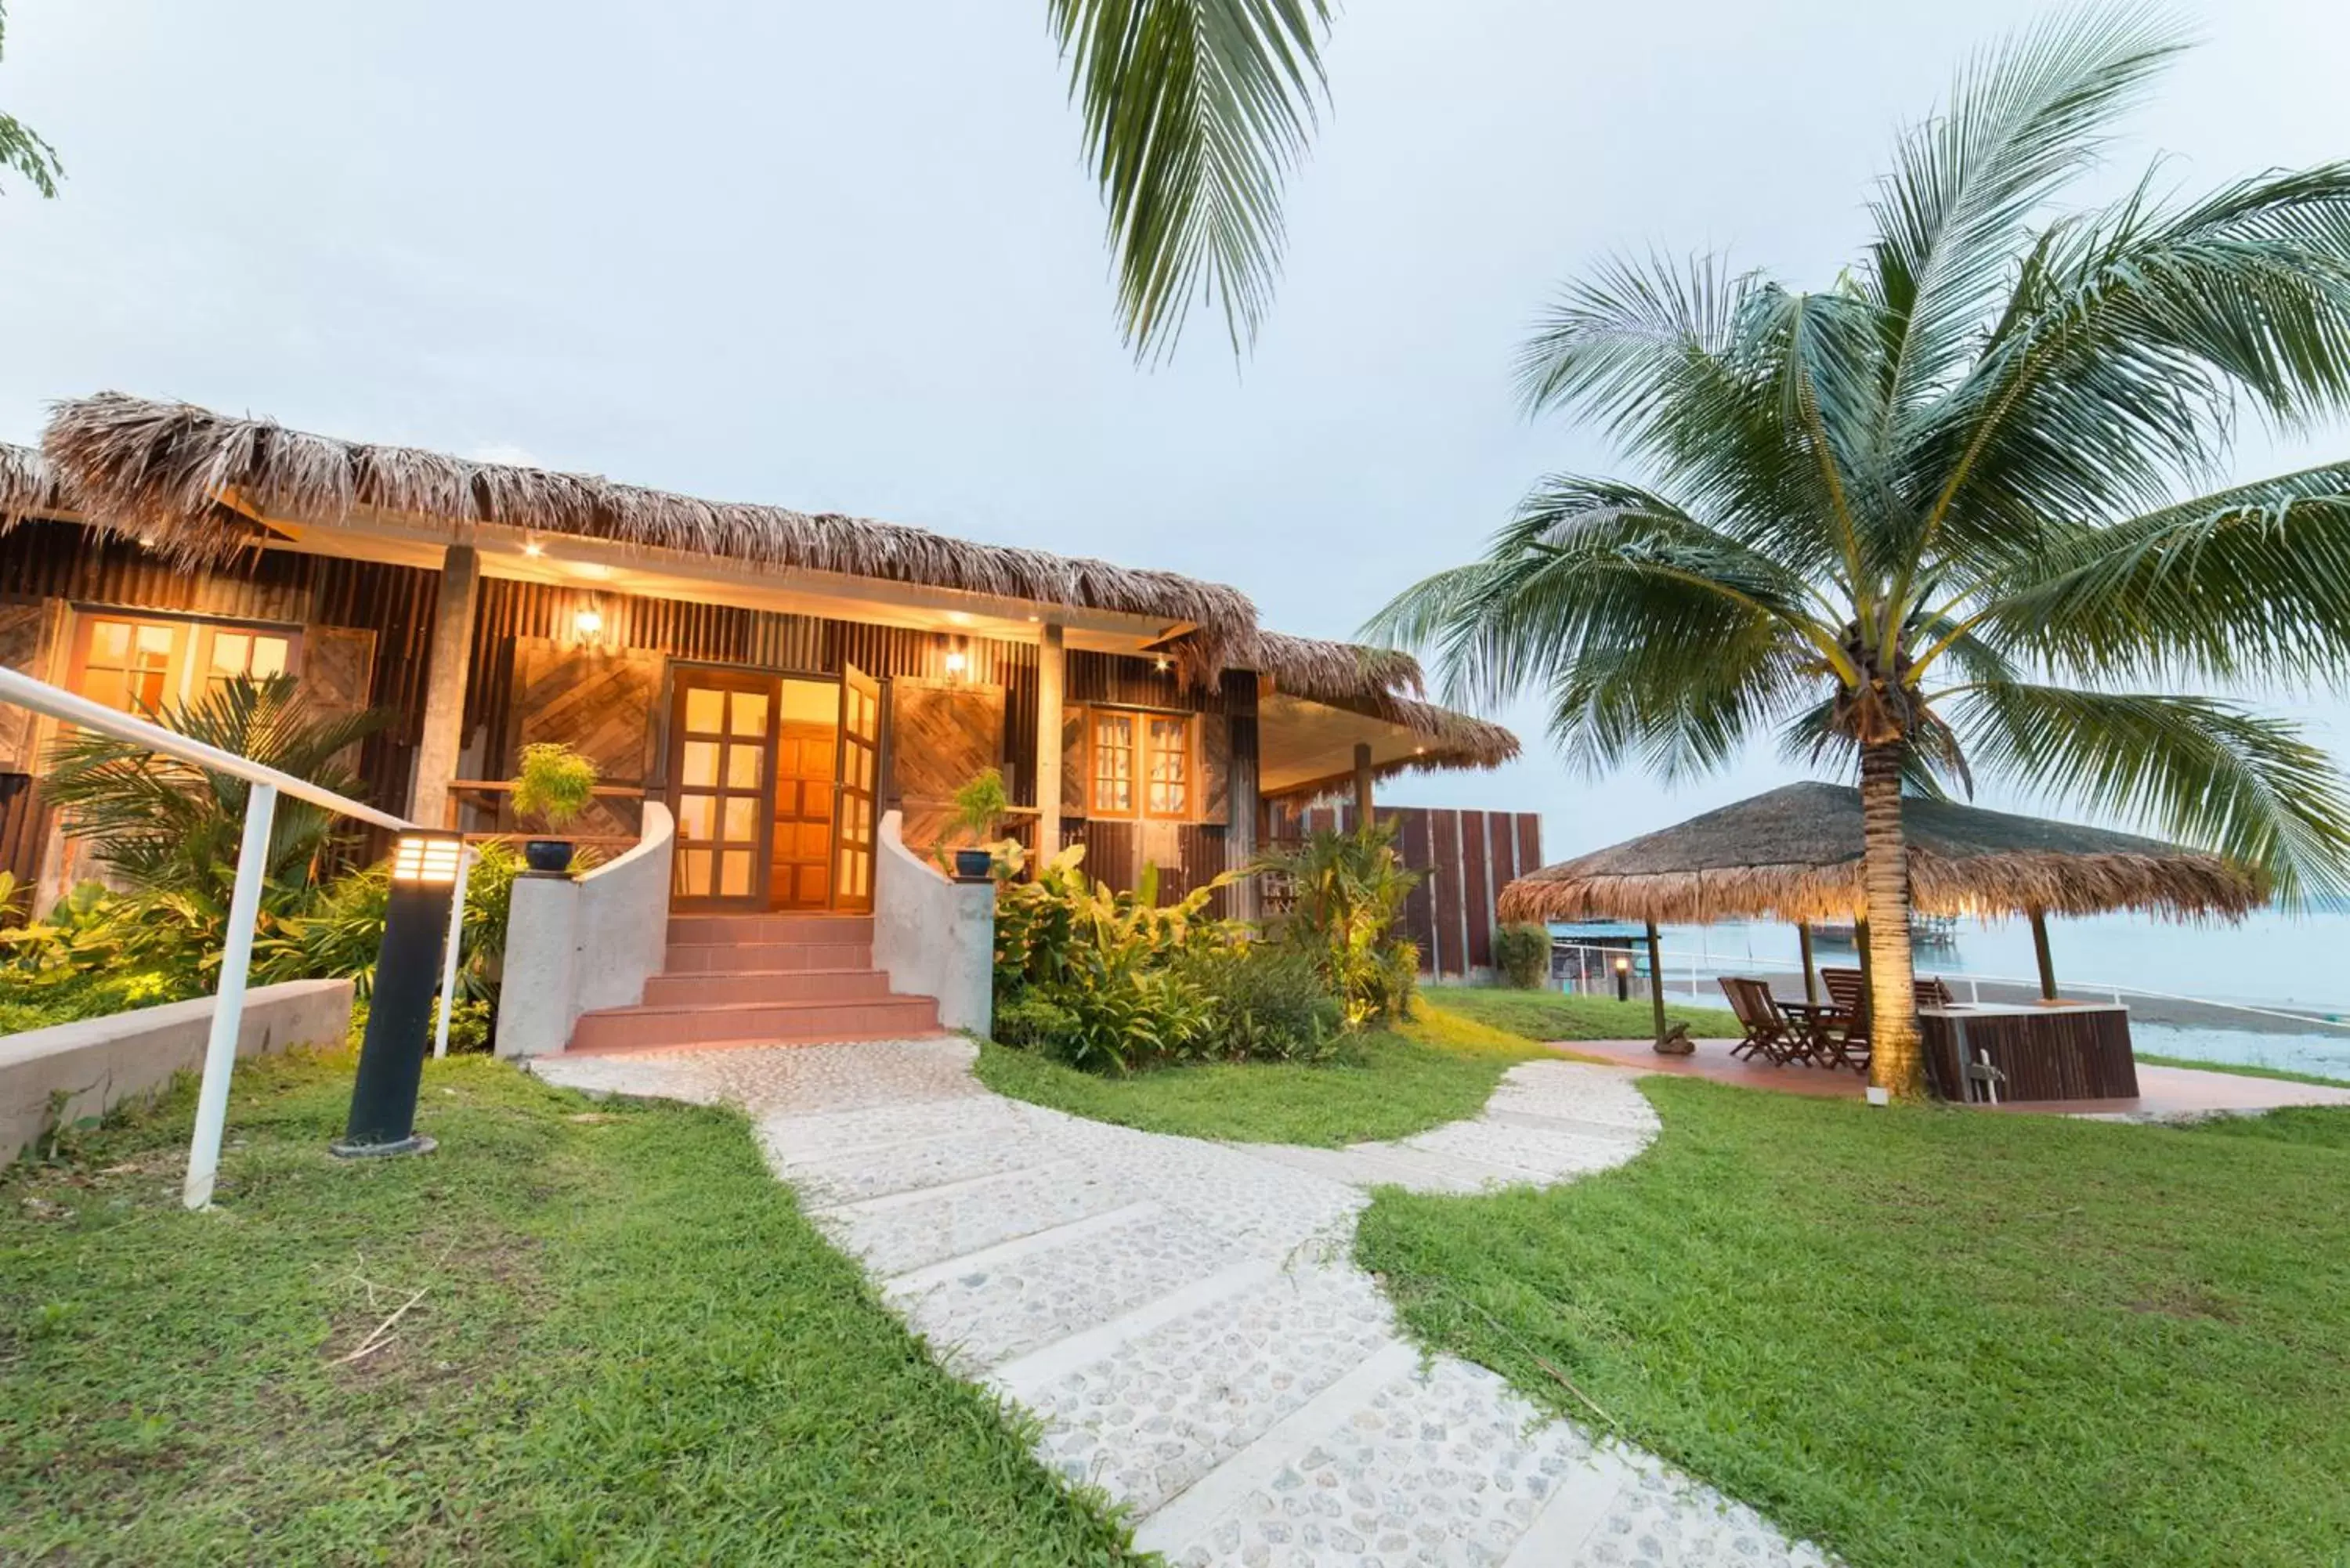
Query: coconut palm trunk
1895	1064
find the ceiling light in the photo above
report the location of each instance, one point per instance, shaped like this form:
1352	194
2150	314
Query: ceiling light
533	548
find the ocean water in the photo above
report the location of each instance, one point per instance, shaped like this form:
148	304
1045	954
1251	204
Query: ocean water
2295	963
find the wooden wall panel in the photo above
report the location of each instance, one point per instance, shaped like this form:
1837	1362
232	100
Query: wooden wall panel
1445	853
604	705
941	734
1476	891
1501	857
23	830
1111	849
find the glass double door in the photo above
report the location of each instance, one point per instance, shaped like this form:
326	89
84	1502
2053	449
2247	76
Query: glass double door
760	771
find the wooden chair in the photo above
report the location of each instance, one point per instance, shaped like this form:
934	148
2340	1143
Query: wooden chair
1770	1032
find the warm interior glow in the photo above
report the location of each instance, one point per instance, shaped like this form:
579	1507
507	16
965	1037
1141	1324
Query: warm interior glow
426	861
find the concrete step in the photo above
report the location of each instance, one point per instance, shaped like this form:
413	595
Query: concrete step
723	958
821	930
716	988
754	1022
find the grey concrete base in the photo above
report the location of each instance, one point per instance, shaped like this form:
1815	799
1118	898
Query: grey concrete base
101	1062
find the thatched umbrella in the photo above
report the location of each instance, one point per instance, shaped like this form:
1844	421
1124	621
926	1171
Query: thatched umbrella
1794	854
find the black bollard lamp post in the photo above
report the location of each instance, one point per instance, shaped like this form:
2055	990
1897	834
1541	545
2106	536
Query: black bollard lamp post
425	871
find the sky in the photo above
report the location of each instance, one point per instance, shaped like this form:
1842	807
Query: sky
848	258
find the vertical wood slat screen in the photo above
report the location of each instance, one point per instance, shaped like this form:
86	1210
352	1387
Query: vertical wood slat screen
1469	856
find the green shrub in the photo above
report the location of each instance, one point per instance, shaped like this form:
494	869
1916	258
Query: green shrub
1064	929
341	937
1265	1003
1028	1022
1129	1019
1522	954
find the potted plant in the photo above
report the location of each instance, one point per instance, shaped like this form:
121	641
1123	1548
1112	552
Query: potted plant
555	786
979	805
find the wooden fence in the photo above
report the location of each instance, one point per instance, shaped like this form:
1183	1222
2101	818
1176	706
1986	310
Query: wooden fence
1469	856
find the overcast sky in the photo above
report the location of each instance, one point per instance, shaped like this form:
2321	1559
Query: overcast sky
847	257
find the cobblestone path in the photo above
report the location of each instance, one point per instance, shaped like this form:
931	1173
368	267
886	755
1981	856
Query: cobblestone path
1186	1317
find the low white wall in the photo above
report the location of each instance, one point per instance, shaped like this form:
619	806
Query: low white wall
934	936
100	1063
573	945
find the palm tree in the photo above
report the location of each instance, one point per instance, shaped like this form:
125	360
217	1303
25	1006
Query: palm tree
22	148
1949	514
1195	111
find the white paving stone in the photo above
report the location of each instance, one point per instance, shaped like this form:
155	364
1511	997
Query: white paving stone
1186	1320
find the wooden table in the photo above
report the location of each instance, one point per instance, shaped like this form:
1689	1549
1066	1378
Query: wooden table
2047	1051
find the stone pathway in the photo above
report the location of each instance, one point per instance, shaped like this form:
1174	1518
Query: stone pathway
1186	1317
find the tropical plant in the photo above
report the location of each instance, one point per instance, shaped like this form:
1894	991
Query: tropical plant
979	803
555	784
1941	518
22	148
1348	892
1522	952
171	828
1063	926
342	934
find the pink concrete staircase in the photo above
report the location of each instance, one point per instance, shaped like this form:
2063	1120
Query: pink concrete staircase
761	980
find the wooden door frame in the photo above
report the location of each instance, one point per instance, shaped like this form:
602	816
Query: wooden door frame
842	844
685	678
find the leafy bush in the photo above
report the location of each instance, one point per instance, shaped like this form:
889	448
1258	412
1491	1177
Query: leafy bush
556	784
97	952
1126	1019
1265	1003
1348	891
1028	1022
1522	952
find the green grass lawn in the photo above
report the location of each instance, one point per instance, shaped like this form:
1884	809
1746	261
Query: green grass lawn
1438	1068
1931	1337
1552	1015
627	1347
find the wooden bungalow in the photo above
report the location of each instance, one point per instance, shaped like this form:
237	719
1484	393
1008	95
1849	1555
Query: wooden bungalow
777	678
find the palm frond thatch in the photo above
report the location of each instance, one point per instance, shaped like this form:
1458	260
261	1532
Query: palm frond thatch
1794	854
1383	684
26	485
158	470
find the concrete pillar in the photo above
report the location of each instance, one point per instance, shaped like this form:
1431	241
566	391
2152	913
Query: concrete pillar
444	685
1052	669
1362	783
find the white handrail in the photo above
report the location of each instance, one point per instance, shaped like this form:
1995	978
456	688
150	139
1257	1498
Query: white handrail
22	690
244	899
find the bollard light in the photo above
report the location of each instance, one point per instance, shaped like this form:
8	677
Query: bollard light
1623	980
424	872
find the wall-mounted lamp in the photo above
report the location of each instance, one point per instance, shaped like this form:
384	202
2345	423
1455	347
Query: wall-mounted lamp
956	661
588	622
424	870
1161	664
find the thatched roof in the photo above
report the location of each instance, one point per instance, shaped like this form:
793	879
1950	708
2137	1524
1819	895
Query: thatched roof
161	471
25	485
158	469
1794	853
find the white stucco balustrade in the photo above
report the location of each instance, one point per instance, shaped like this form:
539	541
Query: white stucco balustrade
575	944
932	935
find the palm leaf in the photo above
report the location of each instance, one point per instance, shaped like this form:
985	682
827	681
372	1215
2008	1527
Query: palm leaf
2201	769
1195	112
